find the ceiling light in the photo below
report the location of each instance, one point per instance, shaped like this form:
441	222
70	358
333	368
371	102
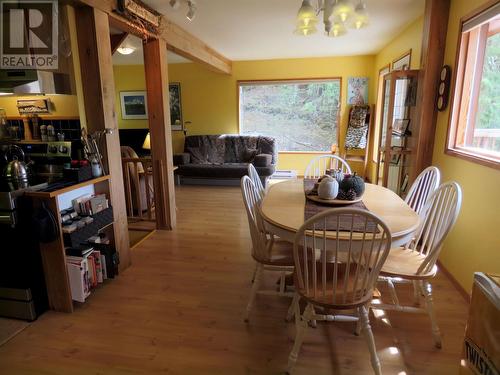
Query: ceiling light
337	29
192	10
125	50
175	4
306	15
305	30
360	16
337	14
343	9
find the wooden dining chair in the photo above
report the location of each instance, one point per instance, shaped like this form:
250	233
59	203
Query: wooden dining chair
254	176
269	253
318	166
340	273
424	185
416	262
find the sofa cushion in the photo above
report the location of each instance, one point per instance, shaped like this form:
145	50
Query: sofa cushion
214	146
262	160
236	146
227	170
199	155
249	155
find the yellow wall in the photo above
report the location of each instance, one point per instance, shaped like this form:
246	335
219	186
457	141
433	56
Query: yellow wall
474	243
62	105
209	100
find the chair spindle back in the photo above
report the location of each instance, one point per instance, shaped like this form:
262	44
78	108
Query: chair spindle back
340	270
425	184
318	166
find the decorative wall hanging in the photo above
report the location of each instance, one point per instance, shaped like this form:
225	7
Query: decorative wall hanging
33	106
357	90
443	88
403	62
174	89
134	105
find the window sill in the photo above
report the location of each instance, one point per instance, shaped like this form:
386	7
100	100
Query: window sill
486	160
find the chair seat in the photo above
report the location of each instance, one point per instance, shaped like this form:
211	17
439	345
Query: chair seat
281	254
405	263
342	302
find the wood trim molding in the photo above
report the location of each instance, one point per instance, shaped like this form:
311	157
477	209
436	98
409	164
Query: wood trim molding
156	70
457	87
94	45
116	40
178	40
466	295
433	49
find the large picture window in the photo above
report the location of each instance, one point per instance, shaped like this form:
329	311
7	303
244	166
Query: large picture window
301	115
474	131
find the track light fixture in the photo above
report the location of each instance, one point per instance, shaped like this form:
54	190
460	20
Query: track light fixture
191	4
175	4
191	11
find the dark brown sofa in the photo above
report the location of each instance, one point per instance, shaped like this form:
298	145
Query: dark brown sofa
224	159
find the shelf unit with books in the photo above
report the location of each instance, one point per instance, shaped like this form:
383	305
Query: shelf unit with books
60	277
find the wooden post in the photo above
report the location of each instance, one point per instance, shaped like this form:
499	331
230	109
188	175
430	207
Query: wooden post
433	47
99	98
155	65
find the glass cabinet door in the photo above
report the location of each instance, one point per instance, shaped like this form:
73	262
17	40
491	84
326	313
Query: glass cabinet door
397	140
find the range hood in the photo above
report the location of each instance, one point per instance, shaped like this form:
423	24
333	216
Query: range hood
29	81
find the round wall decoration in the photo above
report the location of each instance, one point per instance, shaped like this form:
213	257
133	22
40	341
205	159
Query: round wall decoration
443	88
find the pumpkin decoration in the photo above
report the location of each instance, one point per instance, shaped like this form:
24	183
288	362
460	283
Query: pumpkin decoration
338	175
353	182
328	188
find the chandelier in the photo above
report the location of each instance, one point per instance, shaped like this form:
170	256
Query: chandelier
338	15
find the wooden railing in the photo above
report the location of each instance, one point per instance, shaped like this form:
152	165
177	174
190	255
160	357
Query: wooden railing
488	139
139	188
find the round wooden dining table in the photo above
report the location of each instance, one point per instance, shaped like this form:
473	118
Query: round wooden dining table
283	210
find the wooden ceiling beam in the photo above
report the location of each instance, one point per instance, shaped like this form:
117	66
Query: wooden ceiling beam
116	41
177	39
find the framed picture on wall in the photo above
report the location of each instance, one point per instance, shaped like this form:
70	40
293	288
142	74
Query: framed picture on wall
174	89
134	105
357	90
402	62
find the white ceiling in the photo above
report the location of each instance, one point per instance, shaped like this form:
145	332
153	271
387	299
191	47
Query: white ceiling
136	58
263	29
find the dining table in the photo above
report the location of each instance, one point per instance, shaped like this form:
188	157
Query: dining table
283	208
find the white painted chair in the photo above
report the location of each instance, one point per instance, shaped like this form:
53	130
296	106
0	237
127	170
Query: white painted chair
269	253
417	261
339	274
318	166
254	176
424	185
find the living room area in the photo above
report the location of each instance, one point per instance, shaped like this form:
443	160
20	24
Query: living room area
299	187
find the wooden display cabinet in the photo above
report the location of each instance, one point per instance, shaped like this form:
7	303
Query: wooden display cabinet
399	131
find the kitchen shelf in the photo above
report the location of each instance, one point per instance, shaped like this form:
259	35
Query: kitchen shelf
55	193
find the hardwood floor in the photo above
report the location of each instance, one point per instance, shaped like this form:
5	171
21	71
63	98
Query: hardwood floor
179	310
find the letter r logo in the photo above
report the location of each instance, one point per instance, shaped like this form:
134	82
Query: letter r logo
29	28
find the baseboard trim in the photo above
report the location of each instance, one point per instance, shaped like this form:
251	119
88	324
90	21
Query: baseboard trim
466	296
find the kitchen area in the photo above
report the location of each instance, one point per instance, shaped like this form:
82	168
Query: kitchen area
58	222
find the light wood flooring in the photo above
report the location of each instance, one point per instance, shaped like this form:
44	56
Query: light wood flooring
179	310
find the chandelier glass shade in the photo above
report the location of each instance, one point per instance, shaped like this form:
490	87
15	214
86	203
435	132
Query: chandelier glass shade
338	15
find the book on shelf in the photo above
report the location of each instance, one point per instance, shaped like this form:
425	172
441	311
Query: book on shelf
90	204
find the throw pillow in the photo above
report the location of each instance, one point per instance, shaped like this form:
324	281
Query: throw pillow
248	154
262	160
198	155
